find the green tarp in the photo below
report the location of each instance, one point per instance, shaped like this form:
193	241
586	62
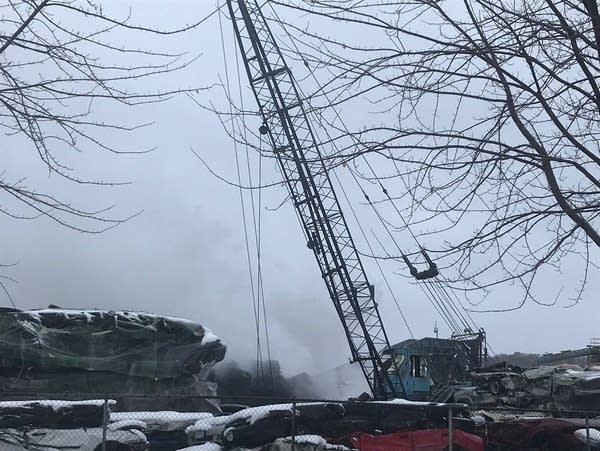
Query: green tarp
126	343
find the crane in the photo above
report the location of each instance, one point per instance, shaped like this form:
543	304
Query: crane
285	121
402	370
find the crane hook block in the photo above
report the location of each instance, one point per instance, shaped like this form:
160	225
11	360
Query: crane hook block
429	273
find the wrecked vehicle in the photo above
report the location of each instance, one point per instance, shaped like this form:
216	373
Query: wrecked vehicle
56	414
565	387
257	426
560	387
432	440
543	433
84	439
165	430
76	425
306	443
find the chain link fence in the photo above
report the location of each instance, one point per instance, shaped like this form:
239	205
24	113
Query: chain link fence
117	423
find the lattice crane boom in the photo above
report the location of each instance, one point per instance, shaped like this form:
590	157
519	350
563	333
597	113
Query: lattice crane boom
286	123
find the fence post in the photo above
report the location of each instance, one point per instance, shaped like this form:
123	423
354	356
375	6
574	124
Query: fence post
587	433
105	419
294	424
450	438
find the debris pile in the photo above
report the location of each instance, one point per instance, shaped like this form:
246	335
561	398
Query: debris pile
53	425
96	351
332	425
566	387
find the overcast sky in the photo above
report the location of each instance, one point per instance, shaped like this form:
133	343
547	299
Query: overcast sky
185	254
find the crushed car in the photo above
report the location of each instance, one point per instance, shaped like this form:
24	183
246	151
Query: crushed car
432	440
261	426
63	424
164	430
123	438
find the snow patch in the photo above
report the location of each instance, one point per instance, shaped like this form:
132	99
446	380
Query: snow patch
409	403
307	440
208	337
210	427
316	441
165	420
203	447
581	435
127	424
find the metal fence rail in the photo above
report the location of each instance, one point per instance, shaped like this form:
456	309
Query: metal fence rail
101	423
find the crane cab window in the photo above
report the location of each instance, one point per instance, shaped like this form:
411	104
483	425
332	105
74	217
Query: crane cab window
418	366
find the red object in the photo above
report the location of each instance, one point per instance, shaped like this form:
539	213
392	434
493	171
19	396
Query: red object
425	440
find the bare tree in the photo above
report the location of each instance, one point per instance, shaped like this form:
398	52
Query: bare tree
487	118
53	74
60	61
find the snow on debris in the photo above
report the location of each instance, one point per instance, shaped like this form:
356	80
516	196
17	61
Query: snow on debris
307	439
250	414
584	375
253	414
164	420
203	447
127	424
316	440
209	427
581	435
55	404
406	402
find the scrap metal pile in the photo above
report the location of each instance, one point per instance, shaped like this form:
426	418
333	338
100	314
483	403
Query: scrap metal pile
358	425
96	351
558	387
316	426
53	425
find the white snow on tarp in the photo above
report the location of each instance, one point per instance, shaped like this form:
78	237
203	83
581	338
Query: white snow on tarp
134	315
208	337
56	404
163	420
203	447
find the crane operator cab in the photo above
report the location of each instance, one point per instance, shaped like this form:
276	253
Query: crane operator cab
413	372
429	365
